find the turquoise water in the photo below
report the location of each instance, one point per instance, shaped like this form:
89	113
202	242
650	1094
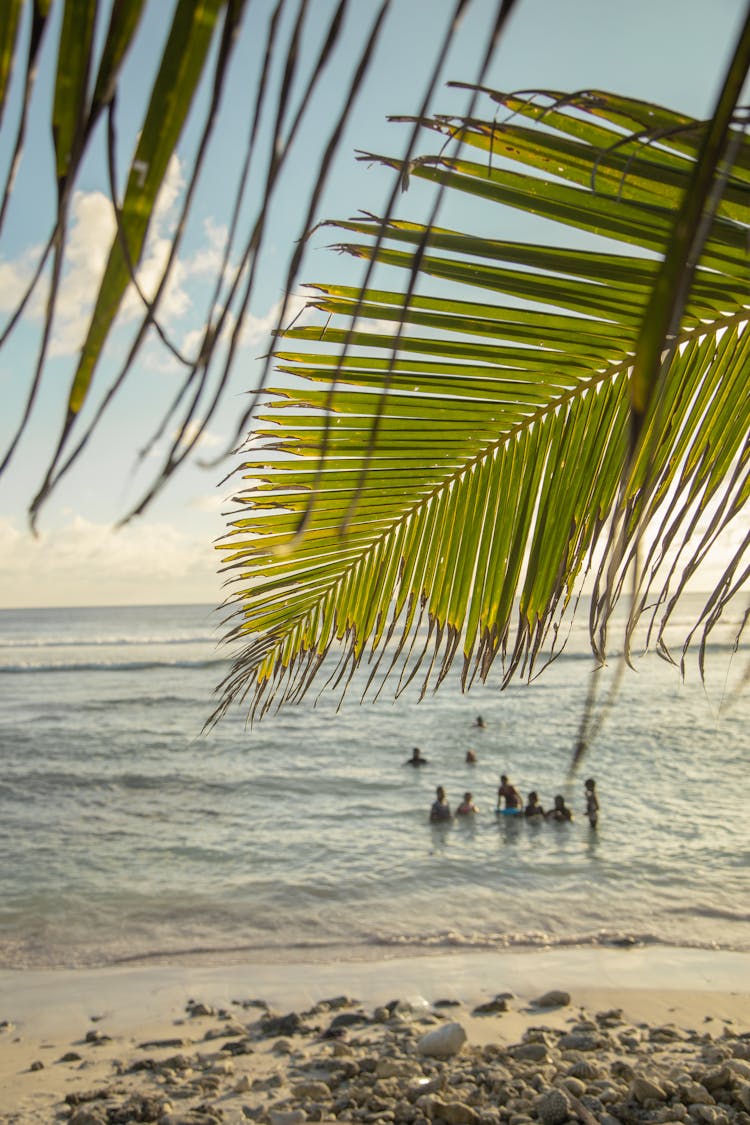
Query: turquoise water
126	834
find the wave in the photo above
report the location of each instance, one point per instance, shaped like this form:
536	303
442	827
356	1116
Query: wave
451	940
712	912
28	668
117	641
20	952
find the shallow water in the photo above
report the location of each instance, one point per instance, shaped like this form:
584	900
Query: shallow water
126	834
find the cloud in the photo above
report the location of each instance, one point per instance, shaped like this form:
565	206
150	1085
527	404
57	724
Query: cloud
207	440
85	563
258	329
15	276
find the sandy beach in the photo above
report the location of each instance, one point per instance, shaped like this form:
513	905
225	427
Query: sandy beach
632	1036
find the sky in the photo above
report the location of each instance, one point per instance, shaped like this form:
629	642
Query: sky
669	51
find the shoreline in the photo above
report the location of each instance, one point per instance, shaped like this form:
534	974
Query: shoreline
104	1016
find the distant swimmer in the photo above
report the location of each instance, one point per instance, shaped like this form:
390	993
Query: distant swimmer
479	721
560	811
533	808
509	794
592	802
471	758
440	809
416	758
467	806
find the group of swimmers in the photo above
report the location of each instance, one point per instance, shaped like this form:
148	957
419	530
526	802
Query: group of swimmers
510	802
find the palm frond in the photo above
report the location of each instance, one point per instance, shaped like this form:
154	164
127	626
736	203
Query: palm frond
469	432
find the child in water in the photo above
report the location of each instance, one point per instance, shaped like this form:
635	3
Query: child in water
467	806
592	802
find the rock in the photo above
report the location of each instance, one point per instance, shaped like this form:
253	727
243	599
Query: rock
271	1026
413	1006
694	1093
37	1065
347	1019
287	1116
88	1115
454	1113
584	1070
533	1052
314	1090
717	1079
574	1086
70	1056
443	1041
422	1087
579	1041
556	998
552	1108
742	1094
711	1114
228	1031
643	1090
395	1068
194	1008
490	1007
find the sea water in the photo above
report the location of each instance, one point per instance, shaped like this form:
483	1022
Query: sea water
127	834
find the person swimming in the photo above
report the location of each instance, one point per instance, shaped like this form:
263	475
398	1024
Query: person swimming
416	758
467	806
479	721
440	809
592	801
471	758
509	794
560	811
533	808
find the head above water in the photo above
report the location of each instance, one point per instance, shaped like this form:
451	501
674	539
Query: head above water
440	792
533	797
503	779
559	801
590	784
468	797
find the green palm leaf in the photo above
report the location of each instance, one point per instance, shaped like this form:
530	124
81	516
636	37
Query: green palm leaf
453	447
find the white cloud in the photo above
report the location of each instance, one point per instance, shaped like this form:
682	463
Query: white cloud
207	440
258	329
84	563
15	276
211	503
92	227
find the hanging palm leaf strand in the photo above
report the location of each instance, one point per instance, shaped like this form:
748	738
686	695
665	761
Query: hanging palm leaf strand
475	430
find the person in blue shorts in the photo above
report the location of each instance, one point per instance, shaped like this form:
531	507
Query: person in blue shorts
509	794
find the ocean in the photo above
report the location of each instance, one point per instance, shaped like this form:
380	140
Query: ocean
128	835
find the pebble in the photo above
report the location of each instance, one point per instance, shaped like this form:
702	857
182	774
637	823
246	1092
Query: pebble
388	1068
643	1090
443	1042
552	1108
555	998
534	1052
